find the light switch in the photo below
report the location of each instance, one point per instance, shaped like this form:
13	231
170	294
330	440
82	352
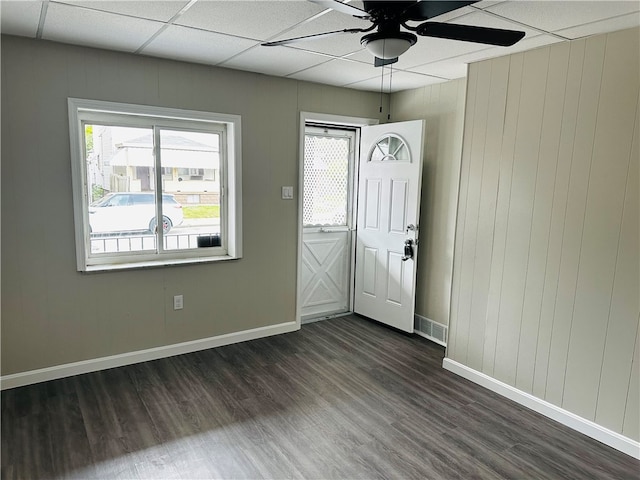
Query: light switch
287	193
178	302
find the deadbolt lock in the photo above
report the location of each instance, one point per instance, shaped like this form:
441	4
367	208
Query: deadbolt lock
408	250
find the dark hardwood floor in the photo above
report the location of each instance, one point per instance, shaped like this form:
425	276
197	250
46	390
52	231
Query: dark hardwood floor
342	398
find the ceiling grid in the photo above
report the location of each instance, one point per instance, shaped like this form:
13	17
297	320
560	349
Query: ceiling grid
229	33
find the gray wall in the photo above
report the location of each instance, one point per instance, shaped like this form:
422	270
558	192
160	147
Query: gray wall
442	108
546	271
52	314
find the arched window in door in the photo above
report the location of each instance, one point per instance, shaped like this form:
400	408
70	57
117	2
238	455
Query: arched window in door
390	147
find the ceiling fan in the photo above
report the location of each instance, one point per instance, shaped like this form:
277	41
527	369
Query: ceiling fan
388	42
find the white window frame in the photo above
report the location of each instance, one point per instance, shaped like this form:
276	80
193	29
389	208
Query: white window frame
122	114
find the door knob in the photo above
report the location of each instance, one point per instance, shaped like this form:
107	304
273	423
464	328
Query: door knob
408	250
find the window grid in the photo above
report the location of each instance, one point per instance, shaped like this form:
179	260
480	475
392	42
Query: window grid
390	147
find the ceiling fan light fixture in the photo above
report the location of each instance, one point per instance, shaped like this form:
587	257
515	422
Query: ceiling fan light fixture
386	46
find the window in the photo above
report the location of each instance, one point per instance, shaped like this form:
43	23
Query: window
141	194
326	176
389	147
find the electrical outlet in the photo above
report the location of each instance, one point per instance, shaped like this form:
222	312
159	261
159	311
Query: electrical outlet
178	302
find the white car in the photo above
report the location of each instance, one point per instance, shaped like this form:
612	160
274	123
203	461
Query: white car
129	211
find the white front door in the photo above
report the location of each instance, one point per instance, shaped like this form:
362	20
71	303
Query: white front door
388	210
329	155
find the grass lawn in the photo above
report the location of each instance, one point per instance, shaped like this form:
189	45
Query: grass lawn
201	211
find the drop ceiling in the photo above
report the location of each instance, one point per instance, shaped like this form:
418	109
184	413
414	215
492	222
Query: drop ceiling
228	33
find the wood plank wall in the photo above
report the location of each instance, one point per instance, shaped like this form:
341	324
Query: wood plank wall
546	270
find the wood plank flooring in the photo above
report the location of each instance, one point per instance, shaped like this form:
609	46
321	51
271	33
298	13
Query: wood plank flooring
342	398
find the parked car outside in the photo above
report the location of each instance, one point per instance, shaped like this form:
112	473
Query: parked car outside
133	211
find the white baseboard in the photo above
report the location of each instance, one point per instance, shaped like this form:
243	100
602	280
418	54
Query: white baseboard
571	420
129	358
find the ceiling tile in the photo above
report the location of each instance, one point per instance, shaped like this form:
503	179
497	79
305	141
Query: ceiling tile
225	32
527	44
363	55
486	3
338	45
523	45
399	81
356	3
82	26
259	20
338	72
481	19
20	18
609	25
279	61
151	10
191	44
440	18
553	16
449	69
453	14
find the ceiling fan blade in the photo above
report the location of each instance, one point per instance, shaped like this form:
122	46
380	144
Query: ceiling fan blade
381	62
338	6
470	33
424	10
287	41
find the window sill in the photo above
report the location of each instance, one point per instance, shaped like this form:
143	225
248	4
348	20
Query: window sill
156	264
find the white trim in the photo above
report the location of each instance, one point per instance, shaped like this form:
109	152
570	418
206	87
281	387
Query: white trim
157	263
129	358
80	110
166	113
571	420
337	120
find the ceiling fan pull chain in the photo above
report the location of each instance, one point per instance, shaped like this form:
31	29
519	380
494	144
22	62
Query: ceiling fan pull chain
381	80
381	86
390	80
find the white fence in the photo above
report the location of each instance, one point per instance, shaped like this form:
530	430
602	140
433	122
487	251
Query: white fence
136	242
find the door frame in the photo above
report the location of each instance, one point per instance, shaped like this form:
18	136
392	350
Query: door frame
330	121
314	234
